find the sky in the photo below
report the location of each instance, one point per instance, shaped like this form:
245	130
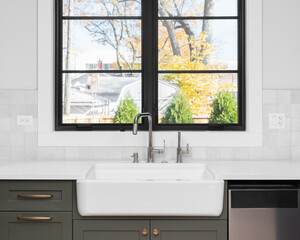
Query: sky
224	40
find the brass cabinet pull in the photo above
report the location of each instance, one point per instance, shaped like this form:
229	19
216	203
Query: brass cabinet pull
155	232
144	232
35	218
35	196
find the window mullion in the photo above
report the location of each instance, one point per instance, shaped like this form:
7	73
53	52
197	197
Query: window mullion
148	48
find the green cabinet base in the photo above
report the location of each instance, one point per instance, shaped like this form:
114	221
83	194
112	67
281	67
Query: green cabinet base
26	226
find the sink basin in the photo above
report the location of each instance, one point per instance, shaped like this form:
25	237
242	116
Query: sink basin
150	190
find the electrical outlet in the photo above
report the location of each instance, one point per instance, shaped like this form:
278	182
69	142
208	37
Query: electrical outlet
276	120
24	120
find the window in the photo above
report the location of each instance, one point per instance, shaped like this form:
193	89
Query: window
181	60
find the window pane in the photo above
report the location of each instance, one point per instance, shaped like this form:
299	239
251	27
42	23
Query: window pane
190	98
102	45
183	45
102	8
101	98
198	8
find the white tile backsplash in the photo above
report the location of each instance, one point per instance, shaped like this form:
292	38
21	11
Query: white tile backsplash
20	142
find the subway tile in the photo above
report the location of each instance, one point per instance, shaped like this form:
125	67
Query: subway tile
270	139
5	152
295	96
295	153
4	111
295	124
58	153
227	153
284	97
31	152
17	153
31	139
285	108
269	97
241	153
295	138
170	155
276	152
17	97
5	139
255	153
72	153
17	139
86	153
213	153
17	109
100	153
283	139
45	153
31	98
198	153
4	97
5	125
31	110
295	110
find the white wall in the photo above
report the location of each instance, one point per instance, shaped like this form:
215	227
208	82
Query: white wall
18	44
281	44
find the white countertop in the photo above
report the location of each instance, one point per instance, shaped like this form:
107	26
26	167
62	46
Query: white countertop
73	170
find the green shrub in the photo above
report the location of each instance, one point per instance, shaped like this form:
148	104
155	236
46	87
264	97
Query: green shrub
126	111
179	111
224	109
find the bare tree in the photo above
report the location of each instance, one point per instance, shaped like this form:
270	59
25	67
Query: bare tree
209	7
68	81
114	32
170	28
170	25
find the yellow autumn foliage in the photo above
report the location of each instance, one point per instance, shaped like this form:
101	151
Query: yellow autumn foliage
199	88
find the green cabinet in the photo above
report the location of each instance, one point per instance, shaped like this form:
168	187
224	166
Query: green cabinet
36	210
35	226
189	230
150	230
27	195
47	210
111	230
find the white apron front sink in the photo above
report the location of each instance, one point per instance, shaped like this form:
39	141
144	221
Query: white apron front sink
150	190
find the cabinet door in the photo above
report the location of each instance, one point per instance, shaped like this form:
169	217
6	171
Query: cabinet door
110	230
189	230
35	226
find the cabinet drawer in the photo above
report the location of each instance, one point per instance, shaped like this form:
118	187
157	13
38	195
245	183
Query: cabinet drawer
36	225
35	196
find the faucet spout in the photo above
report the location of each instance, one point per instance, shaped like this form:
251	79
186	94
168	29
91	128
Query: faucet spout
135	130
180	151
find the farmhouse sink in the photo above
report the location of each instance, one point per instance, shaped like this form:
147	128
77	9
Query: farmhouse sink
150	190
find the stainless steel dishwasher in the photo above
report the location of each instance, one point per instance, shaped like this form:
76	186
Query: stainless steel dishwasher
264	210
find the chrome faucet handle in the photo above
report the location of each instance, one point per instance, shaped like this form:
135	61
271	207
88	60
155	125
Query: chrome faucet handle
188	148
135	157
161	150
187	151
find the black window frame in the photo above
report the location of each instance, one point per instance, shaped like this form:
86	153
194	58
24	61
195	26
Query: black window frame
149	72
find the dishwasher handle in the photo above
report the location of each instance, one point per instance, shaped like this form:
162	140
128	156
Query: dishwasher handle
264	198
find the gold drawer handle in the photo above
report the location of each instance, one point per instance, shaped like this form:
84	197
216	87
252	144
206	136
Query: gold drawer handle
145	232
34	218
155	232
35	196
